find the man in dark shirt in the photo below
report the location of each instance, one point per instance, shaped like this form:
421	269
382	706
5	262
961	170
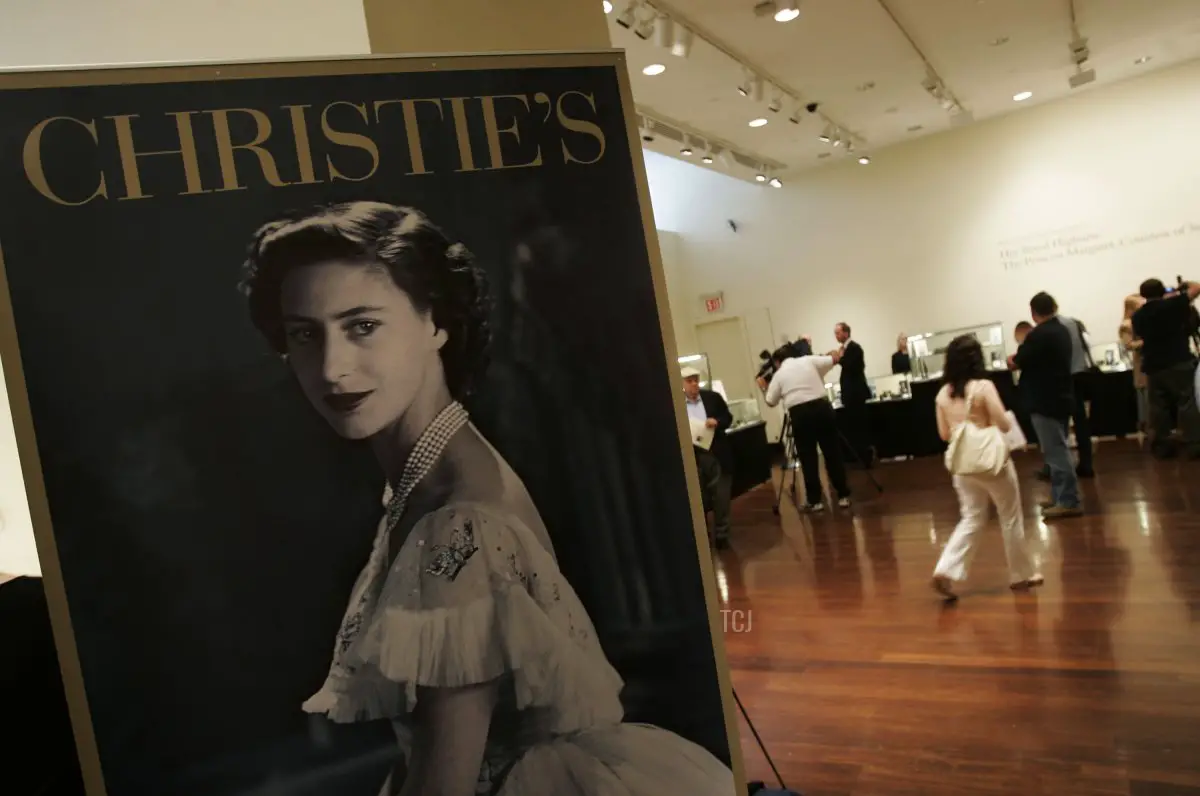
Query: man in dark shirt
1044	360
1164	325
855	394
901	361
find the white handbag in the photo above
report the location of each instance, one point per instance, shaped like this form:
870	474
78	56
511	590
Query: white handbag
976	450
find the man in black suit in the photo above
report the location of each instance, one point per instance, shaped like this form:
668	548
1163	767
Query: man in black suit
716	463
855	393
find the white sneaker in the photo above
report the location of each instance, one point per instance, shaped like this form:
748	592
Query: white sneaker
843	503
816	508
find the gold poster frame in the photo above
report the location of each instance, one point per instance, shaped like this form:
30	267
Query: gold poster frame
10	360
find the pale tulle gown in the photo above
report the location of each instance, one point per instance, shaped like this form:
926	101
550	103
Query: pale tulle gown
474	595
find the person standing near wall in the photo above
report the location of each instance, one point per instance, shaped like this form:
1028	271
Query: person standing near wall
1164	324
1046	383
901	361
855	393
1133	345
714	463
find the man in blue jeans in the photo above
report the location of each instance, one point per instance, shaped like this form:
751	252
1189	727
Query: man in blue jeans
1044	359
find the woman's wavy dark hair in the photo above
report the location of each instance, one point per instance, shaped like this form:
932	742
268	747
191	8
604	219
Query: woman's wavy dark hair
439	277
964	362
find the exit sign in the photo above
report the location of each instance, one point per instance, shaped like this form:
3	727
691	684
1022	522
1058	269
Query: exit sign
714	303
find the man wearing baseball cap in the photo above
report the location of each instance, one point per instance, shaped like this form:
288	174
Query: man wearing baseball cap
716	462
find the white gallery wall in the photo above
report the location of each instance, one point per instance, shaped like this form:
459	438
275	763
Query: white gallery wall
1083	198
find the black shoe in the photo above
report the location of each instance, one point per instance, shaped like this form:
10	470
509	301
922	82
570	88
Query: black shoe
1081	472
722	543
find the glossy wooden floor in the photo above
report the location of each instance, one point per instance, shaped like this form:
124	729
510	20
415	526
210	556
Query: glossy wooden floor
861	681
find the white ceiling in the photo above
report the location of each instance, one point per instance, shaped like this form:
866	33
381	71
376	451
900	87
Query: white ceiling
856	62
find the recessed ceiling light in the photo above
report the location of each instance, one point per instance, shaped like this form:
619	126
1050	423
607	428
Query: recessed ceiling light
914	128
607	7
653	69
823	155
892	109
866	86
1022	96
787	11
1141	60
999	41
759	122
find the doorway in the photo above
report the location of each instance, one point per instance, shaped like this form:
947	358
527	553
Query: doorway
724	342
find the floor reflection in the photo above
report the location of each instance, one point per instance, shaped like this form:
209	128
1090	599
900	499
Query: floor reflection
862	682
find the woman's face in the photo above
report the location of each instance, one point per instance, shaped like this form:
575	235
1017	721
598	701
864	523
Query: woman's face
356	343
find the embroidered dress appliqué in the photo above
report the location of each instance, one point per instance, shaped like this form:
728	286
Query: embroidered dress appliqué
447	560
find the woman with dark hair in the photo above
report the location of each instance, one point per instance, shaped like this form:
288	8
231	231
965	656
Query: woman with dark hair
969	396
461	629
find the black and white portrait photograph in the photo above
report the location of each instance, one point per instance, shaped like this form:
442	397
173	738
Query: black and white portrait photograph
357	432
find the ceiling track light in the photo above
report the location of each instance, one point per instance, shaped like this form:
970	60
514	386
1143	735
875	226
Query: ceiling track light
776	104
827	134
686	151
682	46
707	159
645	28
629	17
664	32
775	182
608	7
786	10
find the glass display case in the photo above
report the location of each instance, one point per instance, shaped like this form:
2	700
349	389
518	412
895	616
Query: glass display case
928	351
746	412
892	387
1112	357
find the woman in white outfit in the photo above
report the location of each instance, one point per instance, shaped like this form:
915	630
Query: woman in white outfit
970	394
461	629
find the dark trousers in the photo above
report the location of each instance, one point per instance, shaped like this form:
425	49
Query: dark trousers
858	432
1172	394
718	488
1079	416
1082	385
814	423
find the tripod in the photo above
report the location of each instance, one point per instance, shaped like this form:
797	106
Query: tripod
792	464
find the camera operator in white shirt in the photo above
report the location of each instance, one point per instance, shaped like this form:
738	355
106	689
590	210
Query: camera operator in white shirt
799	382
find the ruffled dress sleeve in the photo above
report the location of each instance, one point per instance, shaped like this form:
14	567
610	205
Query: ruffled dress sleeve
474	598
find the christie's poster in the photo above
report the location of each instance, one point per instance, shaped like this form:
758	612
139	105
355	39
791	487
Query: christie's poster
358	439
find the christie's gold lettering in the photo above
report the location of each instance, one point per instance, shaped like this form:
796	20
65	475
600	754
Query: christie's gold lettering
349	140
412	129
491	126
353	140
130	155
308	172
36	173
580	126
226	148
462	132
